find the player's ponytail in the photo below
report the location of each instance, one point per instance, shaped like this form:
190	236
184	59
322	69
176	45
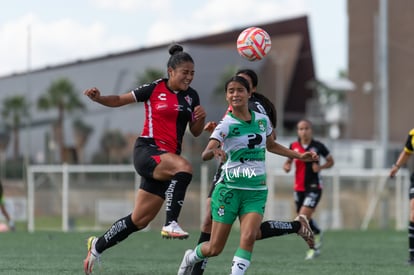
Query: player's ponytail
269	107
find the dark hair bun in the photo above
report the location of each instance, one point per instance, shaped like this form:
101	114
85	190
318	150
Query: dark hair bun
175	49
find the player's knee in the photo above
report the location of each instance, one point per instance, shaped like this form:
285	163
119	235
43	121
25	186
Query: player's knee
185	167
248	238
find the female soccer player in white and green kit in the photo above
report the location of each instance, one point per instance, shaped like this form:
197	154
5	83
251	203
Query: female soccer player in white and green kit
240	140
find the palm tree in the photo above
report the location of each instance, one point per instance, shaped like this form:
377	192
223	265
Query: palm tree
14	109
82	133
113	145
148	76
61	95
226	74
113	142
4	142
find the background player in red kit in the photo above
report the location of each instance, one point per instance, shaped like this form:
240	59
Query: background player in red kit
170	105
308	184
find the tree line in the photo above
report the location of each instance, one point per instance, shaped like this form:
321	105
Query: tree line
63	98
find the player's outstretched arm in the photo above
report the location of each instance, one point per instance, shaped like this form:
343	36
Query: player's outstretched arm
109	100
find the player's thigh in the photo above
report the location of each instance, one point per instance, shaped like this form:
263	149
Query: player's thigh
412	210
312	198
219	235
299	197
170	165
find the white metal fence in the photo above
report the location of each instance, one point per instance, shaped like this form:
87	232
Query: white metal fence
352	198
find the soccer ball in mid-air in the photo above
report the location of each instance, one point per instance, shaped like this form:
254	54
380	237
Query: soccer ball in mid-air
253	43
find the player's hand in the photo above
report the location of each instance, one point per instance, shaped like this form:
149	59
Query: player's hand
199	113
316	167
210	126
309	156
92	93
287	166
219	154
394	171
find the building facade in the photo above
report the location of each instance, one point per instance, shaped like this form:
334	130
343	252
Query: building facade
283	76
364	65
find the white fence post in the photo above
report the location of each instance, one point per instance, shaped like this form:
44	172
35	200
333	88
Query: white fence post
65	198
336	209
30	200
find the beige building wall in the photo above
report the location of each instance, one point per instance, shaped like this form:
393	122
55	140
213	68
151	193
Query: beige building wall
363	69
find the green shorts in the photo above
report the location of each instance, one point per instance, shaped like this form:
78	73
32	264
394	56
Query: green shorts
228	203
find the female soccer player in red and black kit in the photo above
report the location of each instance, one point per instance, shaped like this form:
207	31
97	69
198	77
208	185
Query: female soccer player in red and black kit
170	105
405	154
308	184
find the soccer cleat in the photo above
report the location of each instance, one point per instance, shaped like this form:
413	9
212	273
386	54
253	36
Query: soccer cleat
92	256
312	254
318	240
185	267
410	261
305	231
173	231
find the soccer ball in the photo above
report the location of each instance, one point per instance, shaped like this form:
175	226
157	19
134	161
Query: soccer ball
253	43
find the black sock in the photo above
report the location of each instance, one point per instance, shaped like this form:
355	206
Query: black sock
175	196
411	239
199	267
278	228
118	232
314	226
204	237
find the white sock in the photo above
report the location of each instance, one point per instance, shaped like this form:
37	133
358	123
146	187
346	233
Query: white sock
193	258
239	266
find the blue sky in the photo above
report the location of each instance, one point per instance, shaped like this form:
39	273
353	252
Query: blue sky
79	29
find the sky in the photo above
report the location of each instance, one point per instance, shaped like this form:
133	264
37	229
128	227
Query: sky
35	34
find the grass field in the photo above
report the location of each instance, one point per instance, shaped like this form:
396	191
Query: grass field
143	253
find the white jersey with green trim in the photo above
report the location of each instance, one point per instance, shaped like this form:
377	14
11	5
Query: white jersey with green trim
245	146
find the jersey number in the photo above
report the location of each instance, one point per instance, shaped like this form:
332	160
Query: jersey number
254	139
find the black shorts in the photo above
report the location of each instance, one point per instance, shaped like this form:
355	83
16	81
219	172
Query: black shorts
155	187
215	180
146	157
309	198
411	192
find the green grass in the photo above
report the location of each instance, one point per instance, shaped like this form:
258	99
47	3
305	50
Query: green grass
143	253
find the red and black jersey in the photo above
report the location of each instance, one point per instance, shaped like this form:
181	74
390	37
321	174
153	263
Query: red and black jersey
167	114
259	103
305	178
